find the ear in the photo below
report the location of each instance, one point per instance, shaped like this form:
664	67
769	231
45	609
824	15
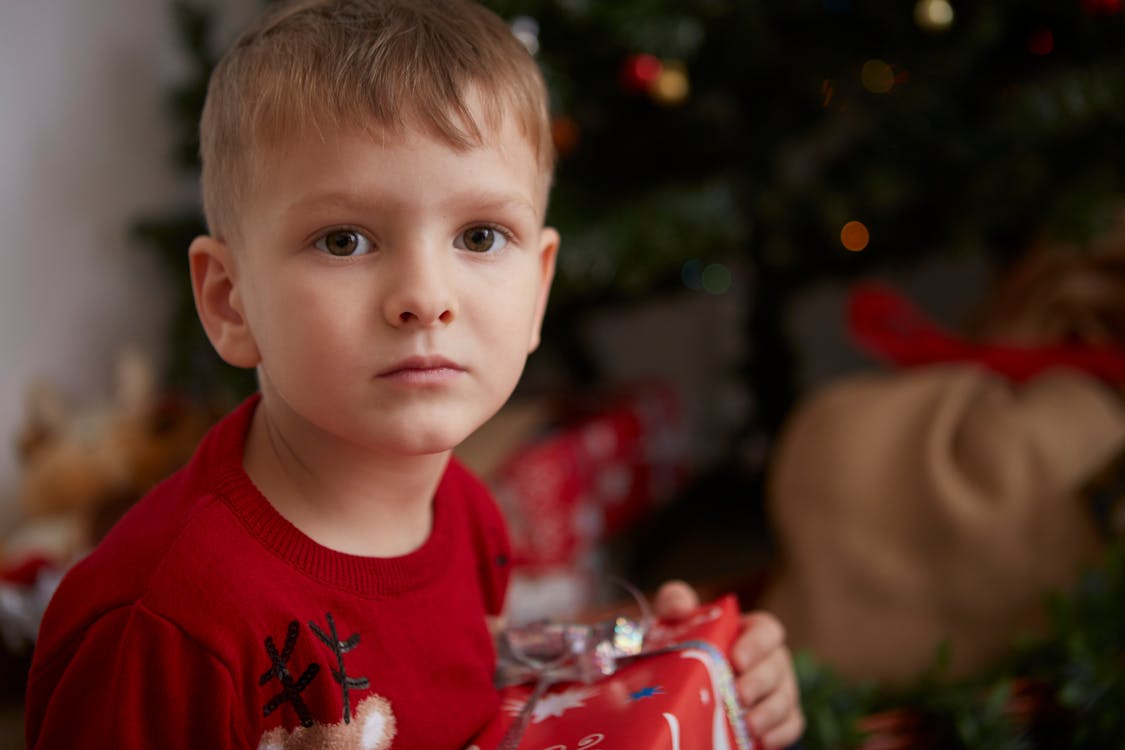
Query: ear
218	301
548	250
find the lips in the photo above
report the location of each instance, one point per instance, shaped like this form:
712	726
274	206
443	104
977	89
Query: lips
422	365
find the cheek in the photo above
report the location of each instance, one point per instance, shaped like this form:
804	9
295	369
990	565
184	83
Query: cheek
298	320
510	318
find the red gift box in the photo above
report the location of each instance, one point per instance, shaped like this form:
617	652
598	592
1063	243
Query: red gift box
678	694
591	476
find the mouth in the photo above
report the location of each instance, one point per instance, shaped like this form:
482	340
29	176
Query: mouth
422	370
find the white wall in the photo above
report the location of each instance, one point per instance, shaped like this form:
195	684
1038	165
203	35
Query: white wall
84	151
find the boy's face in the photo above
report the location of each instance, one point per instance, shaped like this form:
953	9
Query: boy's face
392	288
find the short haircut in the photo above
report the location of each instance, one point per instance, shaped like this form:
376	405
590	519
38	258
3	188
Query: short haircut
320	66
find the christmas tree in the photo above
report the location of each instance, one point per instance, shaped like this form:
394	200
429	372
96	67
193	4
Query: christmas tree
823	138
777	142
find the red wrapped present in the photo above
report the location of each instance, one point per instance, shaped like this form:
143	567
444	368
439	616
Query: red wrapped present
591	475
678	692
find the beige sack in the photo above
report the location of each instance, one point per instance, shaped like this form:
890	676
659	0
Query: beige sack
937	503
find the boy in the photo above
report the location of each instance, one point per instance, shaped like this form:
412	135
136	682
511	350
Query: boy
375	178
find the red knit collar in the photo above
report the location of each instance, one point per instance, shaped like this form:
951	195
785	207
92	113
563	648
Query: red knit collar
365	576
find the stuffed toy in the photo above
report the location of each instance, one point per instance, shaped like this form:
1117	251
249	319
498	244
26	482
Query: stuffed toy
80	469
934	505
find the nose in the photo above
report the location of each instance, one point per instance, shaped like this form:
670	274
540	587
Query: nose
419	291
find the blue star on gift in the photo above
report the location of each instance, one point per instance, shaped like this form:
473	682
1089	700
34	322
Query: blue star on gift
646	692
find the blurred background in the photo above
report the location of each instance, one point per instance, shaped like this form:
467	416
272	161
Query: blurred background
731	172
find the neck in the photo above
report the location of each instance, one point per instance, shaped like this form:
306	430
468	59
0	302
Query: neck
343	496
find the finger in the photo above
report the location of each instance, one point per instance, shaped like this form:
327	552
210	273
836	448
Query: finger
762	634
675	600
784	734
765	678
772	708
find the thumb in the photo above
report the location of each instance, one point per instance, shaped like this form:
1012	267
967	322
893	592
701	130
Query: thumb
675	600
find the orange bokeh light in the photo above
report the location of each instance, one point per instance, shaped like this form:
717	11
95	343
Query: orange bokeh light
854	236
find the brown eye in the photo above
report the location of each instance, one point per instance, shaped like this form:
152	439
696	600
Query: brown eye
482	239
344	243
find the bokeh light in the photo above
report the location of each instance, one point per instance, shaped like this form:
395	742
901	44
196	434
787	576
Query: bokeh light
691	273
1101	7
933	15
827	91
1041	42
877	76
639	72
717	278
565	133
671	86
526	29
854	236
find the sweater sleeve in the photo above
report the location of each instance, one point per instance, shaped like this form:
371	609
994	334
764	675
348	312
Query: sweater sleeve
492	546
496	574
134	681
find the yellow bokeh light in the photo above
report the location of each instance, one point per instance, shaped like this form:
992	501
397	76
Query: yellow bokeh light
877	76
854	236
933	15
671	86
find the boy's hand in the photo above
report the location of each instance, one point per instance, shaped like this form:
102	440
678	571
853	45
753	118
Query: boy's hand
766	682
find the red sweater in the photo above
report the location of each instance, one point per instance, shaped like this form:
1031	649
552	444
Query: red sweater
206	620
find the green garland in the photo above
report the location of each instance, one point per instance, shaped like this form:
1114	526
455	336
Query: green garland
1065	690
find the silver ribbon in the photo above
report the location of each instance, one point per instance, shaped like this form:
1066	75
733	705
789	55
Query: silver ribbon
567	652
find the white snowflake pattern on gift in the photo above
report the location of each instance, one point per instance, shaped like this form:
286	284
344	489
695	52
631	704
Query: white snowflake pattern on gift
553	704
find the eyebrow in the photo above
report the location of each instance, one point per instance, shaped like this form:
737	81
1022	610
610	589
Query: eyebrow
502	202
478	201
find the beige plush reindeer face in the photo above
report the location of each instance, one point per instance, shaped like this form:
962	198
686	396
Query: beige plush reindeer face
95	461
373	728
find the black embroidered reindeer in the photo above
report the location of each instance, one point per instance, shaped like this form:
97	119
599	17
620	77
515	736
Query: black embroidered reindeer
339	648
290	690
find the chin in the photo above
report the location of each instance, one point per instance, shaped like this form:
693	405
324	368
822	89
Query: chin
428	443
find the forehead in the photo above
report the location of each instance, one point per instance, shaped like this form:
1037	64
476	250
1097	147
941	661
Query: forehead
396	164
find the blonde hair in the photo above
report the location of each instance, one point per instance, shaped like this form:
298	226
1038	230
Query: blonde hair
318	66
